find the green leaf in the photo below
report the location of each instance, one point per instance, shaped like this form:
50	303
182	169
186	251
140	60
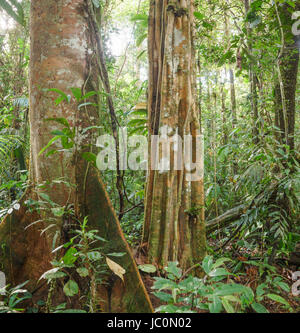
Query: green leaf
59	100
140	39
49	144
207	25
142	129
229	289
135	122
62	121
203	306
53	273
255	23
100	238
141	54
94	255
248	294
77	93
63	96
219	272
227	306
57	132
207	264
66	142
69	258
216	305
139	17
71	311
284	286
220	262
116	254
259	308
232	298
260	290
278	299
173	269
147	268
19	16
139	113
86	104
71	288
163	284
46	197
82	271
90	157
163	296
167	309
61	306
89	94
58	212
96	3
199	16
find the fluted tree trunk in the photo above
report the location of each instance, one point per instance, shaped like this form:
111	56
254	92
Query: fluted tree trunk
64	55
253	81
287	69
231	73
174	228
233	98
232	89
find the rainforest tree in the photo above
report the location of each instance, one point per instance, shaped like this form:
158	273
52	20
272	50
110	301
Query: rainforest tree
63	55
197	85
174	215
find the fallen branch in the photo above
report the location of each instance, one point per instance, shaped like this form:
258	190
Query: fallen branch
236	213
226	219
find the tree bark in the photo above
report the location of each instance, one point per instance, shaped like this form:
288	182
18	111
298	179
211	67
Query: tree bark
174	228
233	98
63	56
285	89
253	81
224	116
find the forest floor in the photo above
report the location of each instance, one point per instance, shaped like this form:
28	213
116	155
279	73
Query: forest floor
251	277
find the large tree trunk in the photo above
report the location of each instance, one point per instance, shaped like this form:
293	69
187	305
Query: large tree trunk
253	81
285	89
174	214
233	98
63	55
224	115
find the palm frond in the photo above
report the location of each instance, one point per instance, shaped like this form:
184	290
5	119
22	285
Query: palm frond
21	102
8	143
17	14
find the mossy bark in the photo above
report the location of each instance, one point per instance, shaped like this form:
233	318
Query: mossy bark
63	56
253	81
285	88
171	233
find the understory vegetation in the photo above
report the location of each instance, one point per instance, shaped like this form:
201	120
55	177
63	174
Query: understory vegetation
247	104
